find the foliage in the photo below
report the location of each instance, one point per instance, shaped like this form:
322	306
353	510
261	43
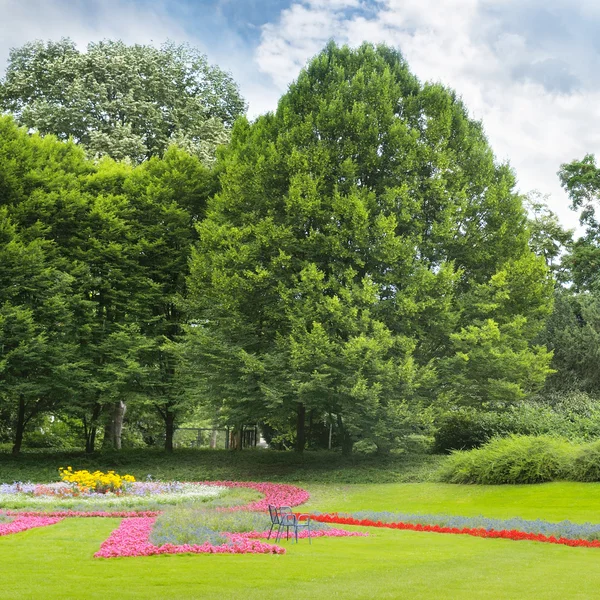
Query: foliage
462	430
93	261
586	464
572	415
363	232
514	459
122	101
573	332
547	237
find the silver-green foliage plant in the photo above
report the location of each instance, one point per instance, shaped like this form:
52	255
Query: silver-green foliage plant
127	102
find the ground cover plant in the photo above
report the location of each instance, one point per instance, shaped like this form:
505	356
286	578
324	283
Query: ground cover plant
214	465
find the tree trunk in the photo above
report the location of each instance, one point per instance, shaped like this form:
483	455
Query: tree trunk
90	441
92	429
108	441
114	427
300	428
119	415
169	430
20	429
236	438
347	441
213	439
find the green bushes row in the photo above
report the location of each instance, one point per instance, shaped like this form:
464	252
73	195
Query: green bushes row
574	415
524	459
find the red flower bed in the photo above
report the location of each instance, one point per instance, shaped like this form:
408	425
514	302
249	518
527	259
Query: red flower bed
511	534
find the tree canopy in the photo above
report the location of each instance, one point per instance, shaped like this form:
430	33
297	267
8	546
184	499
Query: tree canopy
360	231
119	100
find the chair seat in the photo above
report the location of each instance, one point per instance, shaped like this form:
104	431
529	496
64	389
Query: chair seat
288	520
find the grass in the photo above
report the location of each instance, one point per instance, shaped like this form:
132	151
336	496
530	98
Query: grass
251	465
56	562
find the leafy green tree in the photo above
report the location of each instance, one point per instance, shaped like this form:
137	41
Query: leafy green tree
351	233
167	197
581	180
122	101
548	238
37	349
573	333
55	197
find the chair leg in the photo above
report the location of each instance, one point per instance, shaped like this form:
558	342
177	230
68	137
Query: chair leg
270	531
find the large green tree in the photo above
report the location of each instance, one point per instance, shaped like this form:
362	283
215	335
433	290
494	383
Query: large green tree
119	100
355	229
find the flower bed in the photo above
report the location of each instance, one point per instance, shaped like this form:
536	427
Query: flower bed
23	523
143	495
476	531
62	514
561	529
278	494
132	538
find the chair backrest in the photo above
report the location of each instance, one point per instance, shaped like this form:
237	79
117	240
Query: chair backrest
286	516
274	514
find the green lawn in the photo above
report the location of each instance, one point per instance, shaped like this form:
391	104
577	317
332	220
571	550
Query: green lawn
56	562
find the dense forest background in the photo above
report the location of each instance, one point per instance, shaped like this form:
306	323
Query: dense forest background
354	270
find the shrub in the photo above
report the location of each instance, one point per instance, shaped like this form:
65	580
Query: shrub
463	429
514	459
586	464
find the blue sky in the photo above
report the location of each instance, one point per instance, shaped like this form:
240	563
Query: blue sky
528	69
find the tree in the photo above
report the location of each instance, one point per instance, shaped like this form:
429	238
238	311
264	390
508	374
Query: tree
351	231
37	349
547	236
167	197
122	101
581	180
72	208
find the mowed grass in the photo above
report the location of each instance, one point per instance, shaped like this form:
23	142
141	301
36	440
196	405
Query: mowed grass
57	562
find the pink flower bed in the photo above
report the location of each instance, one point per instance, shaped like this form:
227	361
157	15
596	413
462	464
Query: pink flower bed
122	514
132	539
278	494
23	523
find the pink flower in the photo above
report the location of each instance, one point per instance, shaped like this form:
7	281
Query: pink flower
131	538
23	523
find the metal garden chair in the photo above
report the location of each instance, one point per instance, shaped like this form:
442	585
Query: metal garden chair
287	520
274	514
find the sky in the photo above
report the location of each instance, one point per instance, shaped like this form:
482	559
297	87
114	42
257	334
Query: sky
528	69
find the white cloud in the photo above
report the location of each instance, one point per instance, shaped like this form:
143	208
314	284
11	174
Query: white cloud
26	20
152	22
536	129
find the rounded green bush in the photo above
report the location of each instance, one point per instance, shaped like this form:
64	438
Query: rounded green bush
586	463
514	459
461	430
